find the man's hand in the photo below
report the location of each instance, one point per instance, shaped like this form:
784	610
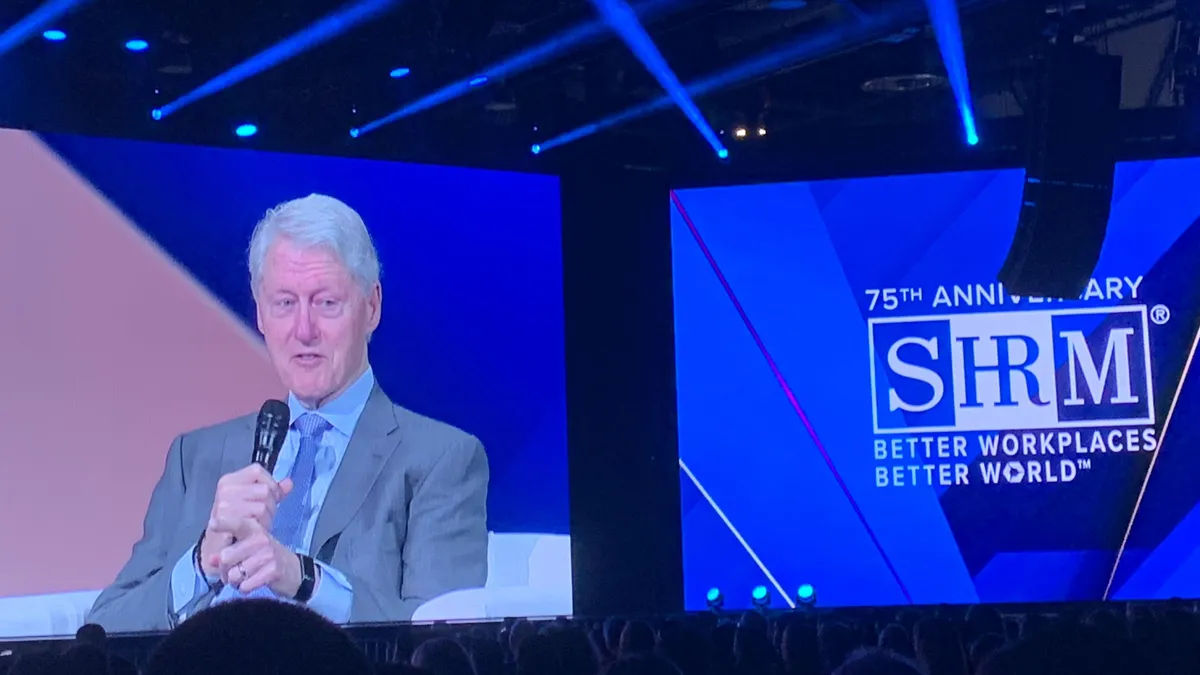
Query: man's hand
248	495
257	560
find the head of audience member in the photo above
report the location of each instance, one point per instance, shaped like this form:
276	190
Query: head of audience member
895	638
983	648
685	647
92	634
878	662
613	627
835	642
33	663
120	666
520	631
636	638
81	660
314	273
398	669
799	650
487	656
537	656
752	648
253	637
983	620
939	648
641	664
442	656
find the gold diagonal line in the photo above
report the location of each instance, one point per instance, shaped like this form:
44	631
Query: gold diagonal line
1187	367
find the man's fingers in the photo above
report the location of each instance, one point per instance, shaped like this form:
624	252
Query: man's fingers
250	475
259	512
237	527
285	488
260	571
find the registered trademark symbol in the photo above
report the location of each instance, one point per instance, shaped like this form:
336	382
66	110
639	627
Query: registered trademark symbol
1159	314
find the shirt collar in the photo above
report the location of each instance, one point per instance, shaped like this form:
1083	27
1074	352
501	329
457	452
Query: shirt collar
343	411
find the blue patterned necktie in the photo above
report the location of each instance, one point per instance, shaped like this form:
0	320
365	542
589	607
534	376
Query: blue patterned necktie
291	520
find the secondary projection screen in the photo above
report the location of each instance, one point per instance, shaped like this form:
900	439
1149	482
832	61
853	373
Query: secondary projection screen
863	409
129	320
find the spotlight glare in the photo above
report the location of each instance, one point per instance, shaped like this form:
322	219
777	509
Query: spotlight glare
54	35
137	45
762	131
739	132
536	149
723	153
475	82
761	596
246	130
156	114
354	132
806	594
399	73
972	138
715	599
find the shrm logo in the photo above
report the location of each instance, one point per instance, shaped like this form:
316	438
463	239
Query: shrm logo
1021	370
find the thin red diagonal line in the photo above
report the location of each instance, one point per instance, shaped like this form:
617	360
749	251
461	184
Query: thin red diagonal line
787	390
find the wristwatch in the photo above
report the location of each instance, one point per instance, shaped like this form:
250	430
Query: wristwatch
308	578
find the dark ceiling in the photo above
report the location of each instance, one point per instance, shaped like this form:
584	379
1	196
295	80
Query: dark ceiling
872	90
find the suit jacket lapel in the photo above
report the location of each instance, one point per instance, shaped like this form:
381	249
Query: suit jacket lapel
374	440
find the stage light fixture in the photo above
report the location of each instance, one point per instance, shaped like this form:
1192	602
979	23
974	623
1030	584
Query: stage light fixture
762	131
740	132
54	35
806	595
723	153
246	130
354	132
399	73
715	599
536	149
156	114
137	45
761	597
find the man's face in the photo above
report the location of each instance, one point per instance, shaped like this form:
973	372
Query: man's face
316	319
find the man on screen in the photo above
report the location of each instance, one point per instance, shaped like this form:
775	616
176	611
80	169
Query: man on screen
372	509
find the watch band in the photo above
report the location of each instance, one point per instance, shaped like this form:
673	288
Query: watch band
308	578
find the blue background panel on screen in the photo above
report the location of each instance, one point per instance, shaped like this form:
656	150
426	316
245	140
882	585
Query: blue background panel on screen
468	336
863	408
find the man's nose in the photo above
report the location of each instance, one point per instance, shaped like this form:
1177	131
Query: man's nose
306	328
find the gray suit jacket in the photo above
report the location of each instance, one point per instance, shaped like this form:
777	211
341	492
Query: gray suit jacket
405	518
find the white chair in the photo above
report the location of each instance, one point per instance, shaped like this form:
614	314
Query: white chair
528	575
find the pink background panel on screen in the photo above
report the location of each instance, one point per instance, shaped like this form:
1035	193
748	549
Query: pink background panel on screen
109	350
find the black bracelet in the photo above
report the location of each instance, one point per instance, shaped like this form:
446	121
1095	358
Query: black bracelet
196	559
308	578
200	565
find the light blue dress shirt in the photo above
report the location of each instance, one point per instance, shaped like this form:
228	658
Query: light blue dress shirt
334	595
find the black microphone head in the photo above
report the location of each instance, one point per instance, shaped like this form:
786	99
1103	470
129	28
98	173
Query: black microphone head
269	433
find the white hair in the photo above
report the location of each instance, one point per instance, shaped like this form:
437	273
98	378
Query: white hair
317	220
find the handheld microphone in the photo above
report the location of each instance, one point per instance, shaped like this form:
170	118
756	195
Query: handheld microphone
269	433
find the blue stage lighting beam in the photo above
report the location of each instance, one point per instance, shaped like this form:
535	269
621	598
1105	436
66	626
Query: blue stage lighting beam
516	64
322	31
943	14
799	50
622	20
35	22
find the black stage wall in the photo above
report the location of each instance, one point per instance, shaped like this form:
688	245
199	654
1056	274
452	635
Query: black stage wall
624	462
